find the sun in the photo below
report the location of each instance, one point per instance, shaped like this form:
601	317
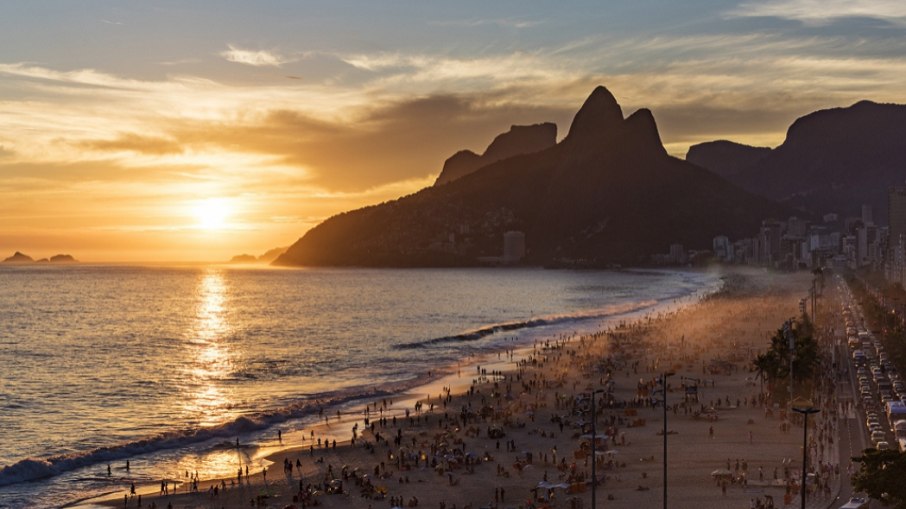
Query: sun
212	213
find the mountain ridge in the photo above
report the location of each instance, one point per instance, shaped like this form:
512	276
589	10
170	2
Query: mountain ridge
607	193
832	160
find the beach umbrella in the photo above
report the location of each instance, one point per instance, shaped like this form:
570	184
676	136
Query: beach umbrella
721	472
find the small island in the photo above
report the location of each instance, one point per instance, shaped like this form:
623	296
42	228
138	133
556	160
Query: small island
22	258
19	257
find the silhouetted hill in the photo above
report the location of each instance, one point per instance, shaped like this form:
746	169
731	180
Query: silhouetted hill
520	139
267	257
726	158
62	258
833	161
19	258
272	254
608	193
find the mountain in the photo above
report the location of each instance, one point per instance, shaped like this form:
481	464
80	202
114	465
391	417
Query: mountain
726	158
520	139
832	160
19	258
608	193
267	257
272	254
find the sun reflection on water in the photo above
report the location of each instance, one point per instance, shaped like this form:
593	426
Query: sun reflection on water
210	358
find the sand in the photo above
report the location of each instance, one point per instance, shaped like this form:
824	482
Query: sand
531	398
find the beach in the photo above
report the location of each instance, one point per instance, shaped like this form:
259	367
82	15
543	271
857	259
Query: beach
515	430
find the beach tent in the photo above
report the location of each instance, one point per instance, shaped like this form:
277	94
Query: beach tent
721	472
550	486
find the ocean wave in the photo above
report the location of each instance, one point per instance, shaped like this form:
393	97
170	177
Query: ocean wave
475	335
33	469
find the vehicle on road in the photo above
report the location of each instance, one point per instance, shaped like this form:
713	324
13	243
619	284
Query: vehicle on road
856	503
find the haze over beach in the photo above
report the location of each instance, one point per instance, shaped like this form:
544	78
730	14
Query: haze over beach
455	255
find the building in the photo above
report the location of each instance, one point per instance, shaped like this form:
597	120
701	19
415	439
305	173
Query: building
722	248
677	254
513	246
867	218
896	219
769	239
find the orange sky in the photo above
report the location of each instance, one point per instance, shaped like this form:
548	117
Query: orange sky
118	133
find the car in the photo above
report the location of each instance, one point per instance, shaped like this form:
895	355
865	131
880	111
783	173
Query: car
878	436
856	503
875	427
883	445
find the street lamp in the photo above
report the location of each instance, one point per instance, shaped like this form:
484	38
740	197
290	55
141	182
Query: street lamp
594	458
664	387
805	408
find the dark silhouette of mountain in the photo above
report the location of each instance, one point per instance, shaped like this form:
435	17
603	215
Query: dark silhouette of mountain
19	258
272	254
726	158
63	258
831	160
267	257
520	139
608	193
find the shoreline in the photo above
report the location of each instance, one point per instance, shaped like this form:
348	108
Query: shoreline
550	379
451	376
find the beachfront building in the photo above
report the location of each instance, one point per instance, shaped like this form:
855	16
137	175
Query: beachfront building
895	266
513	246
722	248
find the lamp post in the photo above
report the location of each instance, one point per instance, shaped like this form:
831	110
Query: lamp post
594	458
664	387
805	408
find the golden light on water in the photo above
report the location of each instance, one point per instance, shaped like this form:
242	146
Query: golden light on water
211	356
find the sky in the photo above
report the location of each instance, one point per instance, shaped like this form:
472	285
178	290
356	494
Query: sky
195	130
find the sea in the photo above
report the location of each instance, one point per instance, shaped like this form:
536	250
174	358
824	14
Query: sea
169	367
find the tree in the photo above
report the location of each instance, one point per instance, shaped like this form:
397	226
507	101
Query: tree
773	365
881	475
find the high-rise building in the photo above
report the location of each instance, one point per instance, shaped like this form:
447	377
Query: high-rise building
513	246
722	248
896	201
867	215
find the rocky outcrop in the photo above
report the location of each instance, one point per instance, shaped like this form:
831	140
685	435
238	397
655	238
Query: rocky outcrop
518	140
726	158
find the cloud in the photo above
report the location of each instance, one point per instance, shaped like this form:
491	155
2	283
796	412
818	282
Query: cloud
132	142
260	58
818	12
499	22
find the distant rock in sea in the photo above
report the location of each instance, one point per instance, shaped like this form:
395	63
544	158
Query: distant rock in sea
19	258
43	260
520	139
62	258
244	258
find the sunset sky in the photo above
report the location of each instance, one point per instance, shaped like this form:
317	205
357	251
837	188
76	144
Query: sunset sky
190	130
